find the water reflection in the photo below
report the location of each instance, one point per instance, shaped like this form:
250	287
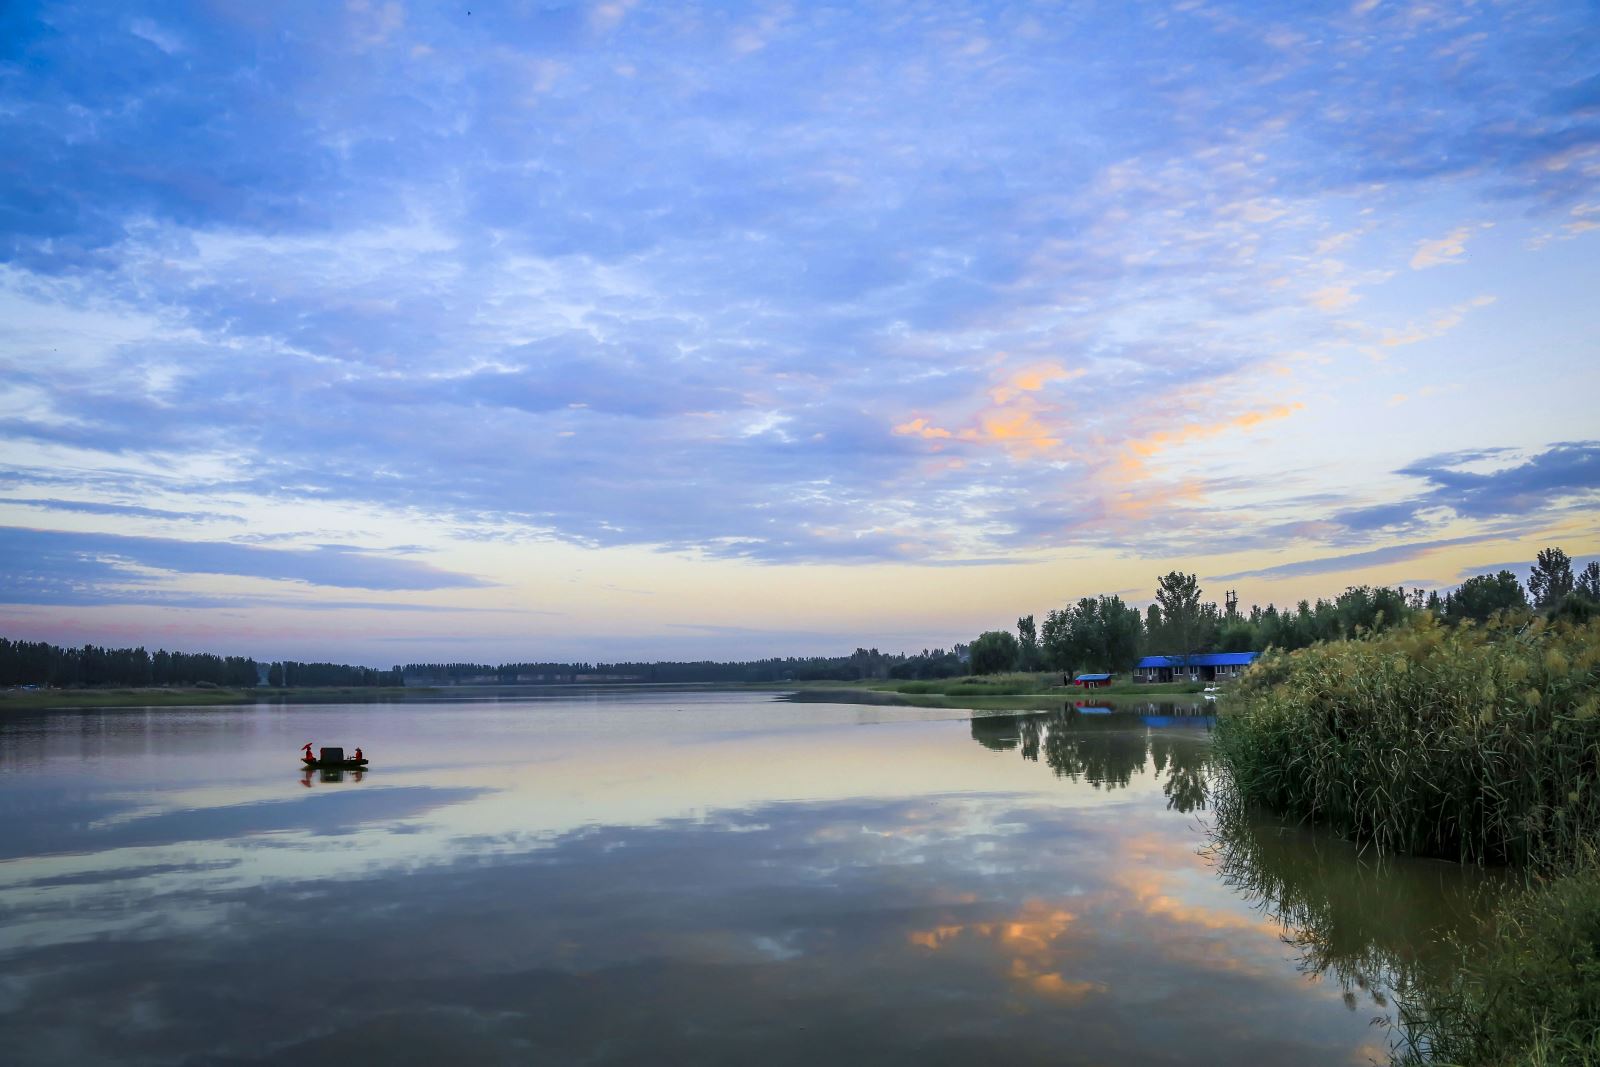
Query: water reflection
688	879
328	775
1375	926
1107	747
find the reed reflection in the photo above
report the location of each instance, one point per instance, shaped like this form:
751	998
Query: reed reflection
1377	926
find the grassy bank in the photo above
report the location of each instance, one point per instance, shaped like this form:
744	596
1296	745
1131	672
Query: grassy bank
46	699
995	685
180	697
1480	744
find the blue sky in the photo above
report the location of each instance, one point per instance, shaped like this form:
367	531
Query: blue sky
385	331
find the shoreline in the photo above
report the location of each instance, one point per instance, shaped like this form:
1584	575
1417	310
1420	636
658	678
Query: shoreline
189	696
944	693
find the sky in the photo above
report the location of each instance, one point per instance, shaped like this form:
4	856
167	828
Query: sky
387	332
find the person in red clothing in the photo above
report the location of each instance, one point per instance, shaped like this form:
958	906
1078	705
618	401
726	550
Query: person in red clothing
358	754
309	758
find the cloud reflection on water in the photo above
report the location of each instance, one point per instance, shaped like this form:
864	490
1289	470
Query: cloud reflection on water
849	915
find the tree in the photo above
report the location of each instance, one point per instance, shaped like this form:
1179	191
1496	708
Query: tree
1238	636
1056	639
1154	628
1550	580
1123	633
1589	582
1482	595
1028	657
994	652
1179	598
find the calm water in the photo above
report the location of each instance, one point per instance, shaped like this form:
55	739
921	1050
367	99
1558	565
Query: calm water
675	878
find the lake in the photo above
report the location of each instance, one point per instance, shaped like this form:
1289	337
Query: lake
649	876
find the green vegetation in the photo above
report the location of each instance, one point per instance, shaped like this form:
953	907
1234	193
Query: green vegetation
45	699
1026	682
44	664
1528	992
194	696
1104	634
38	663
1476	742
993	652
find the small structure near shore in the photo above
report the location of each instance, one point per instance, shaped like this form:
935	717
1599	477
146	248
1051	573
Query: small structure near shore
1092	681
1200	667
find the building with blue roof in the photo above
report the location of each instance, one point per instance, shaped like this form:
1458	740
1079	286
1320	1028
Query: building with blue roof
1092	681
1200	667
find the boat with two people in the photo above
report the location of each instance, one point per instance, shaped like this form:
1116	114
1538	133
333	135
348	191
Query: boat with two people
332	759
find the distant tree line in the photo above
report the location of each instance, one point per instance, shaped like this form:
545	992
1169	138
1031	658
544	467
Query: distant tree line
1094	634
288	674
44	664
41	663
1104	634
860	665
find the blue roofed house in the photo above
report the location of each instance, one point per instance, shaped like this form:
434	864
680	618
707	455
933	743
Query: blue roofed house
1200	667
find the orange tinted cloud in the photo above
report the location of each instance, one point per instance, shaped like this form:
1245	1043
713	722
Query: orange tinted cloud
1031	379
1017	429
1015	419
1132	464
920	427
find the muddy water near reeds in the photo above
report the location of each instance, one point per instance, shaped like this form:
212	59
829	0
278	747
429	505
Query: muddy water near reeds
680	877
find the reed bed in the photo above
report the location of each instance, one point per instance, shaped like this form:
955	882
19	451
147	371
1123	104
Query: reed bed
1527	992
1476	743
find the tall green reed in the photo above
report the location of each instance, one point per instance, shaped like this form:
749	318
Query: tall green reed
1477	743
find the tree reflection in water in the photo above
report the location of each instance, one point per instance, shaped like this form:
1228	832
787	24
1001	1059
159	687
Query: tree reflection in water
1378	926
1106	750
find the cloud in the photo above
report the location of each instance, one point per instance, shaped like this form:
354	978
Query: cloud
62	567
1568	471
1447	249
90	507
1334	298
547	267
1142	449
1354	561
1495	487
1441	323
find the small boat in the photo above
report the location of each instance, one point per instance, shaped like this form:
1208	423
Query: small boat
331	759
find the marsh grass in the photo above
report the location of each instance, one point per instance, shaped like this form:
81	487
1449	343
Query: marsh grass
978	685
1480	744
49	699
1027	683
1528	990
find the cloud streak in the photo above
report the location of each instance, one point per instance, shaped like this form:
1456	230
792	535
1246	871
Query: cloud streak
62	567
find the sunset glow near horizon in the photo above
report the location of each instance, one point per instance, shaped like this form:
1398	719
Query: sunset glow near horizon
385	332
